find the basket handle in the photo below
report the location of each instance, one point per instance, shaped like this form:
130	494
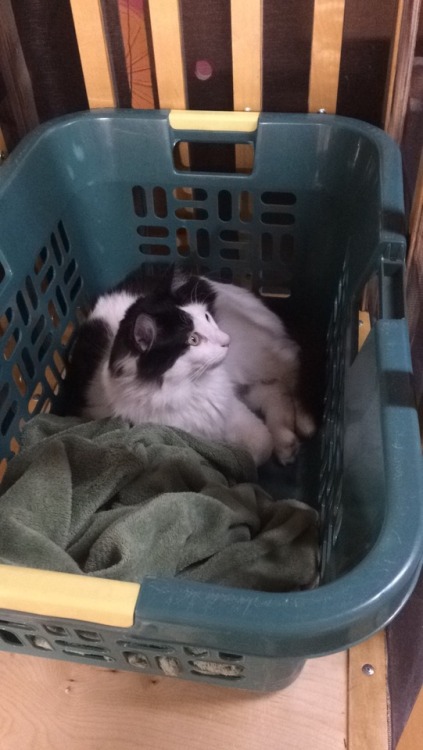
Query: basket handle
213	126
215	129
391	289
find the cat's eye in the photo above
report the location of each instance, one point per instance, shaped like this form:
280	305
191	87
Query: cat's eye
194	339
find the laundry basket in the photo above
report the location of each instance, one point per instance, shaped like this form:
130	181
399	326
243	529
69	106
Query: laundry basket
85	199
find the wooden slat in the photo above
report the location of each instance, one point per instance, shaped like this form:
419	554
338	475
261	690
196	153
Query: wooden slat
326	54
399	78
368	696
393	62
247	48
3	147
167	45
247	34
93	51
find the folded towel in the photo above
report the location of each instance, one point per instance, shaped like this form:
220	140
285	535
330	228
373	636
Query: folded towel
107	499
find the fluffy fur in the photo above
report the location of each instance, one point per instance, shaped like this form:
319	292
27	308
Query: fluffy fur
195	354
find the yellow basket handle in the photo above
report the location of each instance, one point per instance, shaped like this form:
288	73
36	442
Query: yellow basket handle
211	120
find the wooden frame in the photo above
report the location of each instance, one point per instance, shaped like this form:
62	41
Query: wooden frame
167	44
401	64
3	146
326	47
368	696
247	35
88	22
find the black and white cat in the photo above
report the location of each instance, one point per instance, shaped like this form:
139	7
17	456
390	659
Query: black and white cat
195	354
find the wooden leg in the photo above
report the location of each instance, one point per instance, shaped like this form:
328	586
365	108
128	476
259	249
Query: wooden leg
368	696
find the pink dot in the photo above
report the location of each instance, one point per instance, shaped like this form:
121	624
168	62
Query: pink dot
203	70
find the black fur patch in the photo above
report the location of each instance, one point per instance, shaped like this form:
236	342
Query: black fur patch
196	289
160	297
86	356
173	329
139	283
134	283
184	288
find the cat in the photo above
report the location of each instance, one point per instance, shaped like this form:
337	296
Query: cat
191	353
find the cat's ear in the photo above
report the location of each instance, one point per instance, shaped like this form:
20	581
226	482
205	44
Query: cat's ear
145	332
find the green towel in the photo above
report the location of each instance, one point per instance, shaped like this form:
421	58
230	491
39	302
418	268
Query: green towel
107	499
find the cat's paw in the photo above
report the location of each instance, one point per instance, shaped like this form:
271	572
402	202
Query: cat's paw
246	429
305	425
259	442
298	425
286	445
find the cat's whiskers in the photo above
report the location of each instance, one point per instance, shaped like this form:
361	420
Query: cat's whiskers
199	372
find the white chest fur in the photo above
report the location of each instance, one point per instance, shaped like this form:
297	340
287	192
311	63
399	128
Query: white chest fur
199	406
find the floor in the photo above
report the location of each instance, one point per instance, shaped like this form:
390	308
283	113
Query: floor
412	737
51	705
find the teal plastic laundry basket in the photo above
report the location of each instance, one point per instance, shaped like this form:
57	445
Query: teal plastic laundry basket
85	199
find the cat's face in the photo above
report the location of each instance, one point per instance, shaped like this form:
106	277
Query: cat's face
207	344
162	338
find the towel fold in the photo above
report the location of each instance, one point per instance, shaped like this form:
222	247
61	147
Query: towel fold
107	499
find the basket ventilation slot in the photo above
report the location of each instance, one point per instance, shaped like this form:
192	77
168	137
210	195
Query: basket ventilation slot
331	471
34	331
80	644
248	239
